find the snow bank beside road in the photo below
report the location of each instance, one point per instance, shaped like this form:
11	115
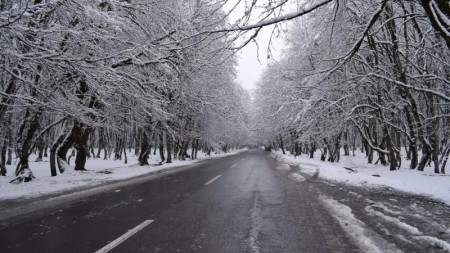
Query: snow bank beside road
98	171
359	172
353	227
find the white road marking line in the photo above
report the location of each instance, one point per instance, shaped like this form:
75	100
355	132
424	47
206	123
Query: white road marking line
123	237
234	165
212	180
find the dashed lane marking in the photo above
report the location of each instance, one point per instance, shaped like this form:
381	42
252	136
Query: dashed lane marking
123	237
212	180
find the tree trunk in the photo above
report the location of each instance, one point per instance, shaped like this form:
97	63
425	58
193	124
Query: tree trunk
282	145
118	149
392	158
192	149
100	142
3	161
125	155
337	148
444	158
433	129
323	155
161	148
175	149
81	145
10	151
312	150
137	142
40	148
369	152
61	154
45	150
437	22
346	146
169	142
196	149
25	149
426	155
414	155
53	150
145	150
181	153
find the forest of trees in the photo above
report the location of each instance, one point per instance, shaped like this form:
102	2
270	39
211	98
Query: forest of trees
363	74
103	76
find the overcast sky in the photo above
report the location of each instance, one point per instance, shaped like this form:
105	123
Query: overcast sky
249	67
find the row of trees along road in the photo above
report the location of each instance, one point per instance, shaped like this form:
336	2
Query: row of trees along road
363	73
105	76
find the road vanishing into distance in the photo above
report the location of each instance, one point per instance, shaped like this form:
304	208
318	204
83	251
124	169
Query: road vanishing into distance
248	202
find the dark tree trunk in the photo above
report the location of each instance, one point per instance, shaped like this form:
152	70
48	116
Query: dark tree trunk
312	150
323	156
175	149
369	152
118	149
45	150
444	158
100	142
186	146
436	21
425	157
3	161
182	151
161	148
337	148
413	153
346	146
53	150
192	149
25	149
155	142
196	149
40	148
392	158
81	145
10	151
125	155
169	142
145	150
282	145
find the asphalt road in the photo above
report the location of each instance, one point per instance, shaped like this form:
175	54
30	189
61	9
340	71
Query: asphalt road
234	204
240	203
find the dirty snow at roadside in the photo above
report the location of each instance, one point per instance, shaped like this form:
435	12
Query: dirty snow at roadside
98	171
363	237
356	171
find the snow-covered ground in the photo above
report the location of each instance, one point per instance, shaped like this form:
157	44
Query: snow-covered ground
363	174
392	222
98	171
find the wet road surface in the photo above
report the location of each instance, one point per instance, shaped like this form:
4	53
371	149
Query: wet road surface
241	203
